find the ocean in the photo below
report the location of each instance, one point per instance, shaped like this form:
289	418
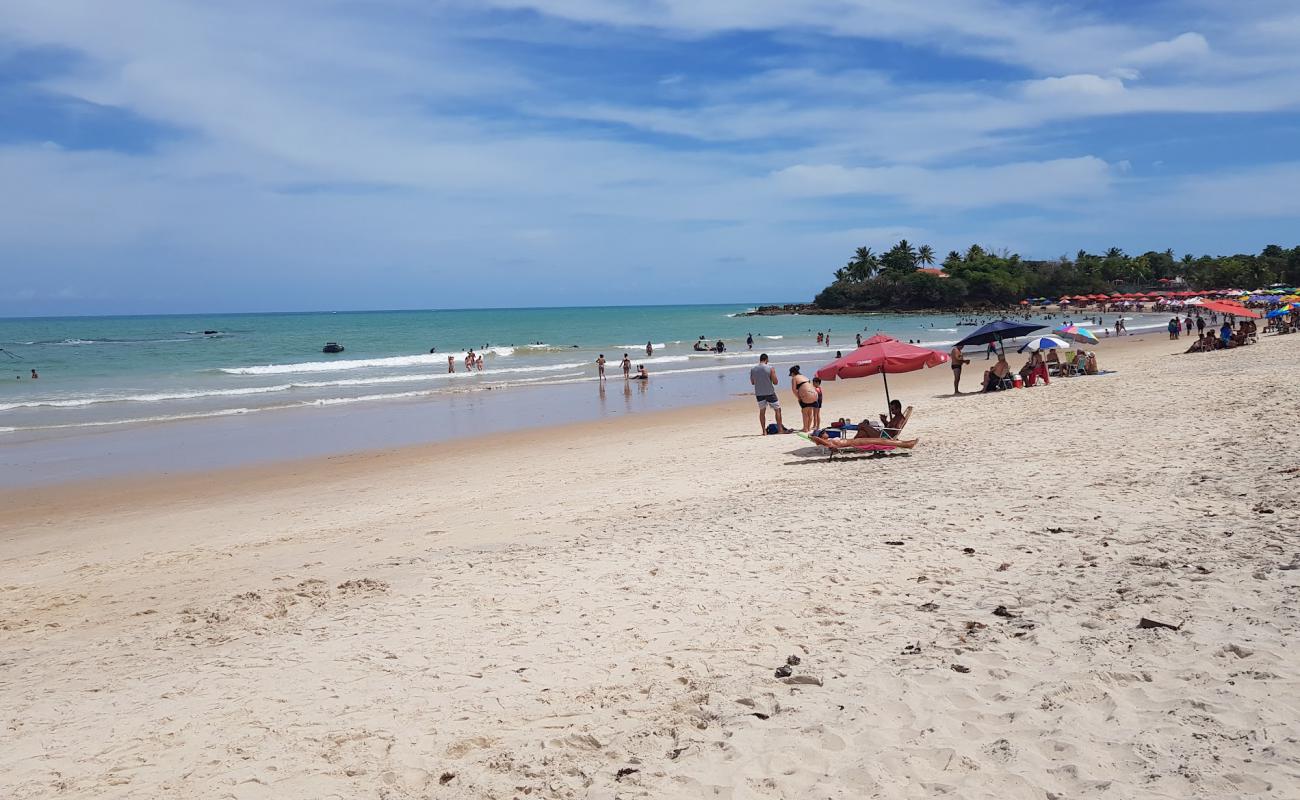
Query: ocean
100	375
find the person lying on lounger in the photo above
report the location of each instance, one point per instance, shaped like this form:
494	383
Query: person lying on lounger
860	441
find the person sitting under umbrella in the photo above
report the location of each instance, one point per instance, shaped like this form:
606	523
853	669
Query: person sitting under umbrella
897	418
1034	369
994	378
1054	358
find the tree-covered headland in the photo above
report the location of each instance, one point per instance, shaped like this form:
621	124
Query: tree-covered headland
905	277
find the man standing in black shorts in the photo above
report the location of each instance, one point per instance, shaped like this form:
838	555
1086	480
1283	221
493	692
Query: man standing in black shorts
957	359
763	378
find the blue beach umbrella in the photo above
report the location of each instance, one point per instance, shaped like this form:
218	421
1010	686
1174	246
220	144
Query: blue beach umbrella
998	331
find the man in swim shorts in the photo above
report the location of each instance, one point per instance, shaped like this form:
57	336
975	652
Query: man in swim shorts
956	359
763	378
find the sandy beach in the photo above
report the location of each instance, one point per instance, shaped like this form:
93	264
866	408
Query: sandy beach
601	610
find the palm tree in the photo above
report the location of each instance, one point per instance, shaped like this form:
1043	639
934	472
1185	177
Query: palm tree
1114	252
925	254
905	248
864	263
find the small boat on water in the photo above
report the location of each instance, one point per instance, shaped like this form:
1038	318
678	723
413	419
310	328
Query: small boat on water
332	347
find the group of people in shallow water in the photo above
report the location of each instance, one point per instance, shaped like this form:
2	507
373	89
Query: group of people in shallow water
473	362
639	375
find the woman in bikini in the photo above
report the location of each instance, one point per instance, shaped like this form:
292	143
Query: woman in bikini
805	394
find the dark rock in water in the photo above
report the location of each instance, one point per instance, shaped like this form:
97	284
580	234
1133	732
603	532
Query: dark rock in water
792	660
624	772
446	777
928	606
759	714
1001	611
912	649
894	543
970	551
784	671
960	668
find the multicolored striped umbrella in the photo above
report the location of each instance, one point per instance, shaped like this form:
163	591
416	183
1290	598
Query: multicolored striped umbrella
1045	343
1076	334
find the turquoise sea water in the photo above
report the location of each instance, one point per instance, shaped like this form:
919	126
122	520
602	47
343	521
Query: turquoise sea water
97	371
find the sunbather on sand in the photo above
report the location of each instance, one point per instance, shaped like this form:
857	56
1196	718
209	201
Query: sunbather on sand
862	441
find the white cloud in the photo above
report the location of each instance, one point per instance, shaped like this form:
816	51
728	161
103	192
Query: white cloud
1072	85
955	187
1183	46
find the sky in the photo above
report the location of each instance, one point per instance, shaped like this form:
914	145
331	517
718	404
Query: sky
179	156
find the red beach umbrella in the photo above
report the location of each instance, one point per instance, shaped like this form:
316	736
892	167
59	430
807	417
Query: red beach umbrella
1226	307
881	355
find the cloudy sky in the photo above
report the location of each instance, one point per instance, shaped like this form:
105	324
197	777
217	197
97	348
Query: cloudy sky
176	155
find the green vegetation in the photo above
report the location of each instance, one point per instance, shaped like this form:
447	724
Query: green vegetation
899	278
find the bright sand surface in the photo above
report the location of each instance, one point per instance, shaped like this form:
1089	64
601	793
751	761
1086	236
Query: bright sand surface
598	610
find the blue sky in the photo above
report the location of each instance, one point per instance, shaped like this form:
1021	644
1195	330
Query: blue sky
167	155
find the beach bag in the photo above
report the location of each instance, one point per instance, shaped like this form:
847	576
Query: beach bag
772	428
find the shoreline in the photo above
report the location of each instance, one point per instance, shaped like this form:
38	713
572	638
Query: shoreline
211	403
845	395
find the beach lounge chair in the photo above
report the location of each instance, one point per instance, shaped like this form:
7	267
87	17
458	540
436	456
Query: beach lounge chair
999	385
1054	364
874	448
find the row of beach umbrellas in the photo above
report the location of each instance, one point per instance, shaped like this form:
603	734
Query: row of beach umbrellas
1281	294
884	355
